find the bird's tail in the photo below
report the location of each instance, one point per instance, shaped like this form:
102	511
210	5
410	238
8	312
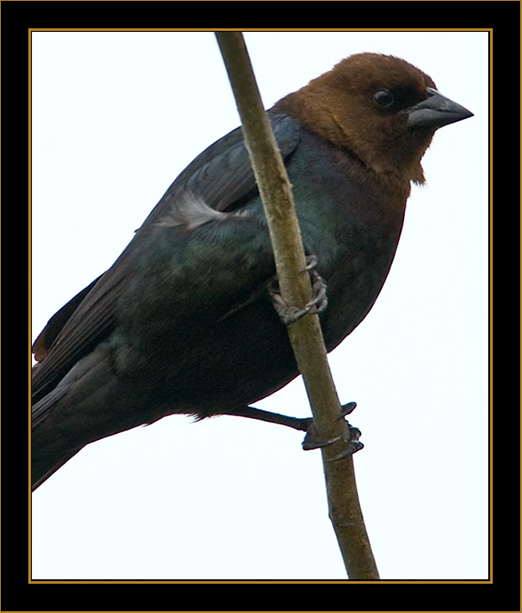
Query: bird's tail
43	465
85	406
49	450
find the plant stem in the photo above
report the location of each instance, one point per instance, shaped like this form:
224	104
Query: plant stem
295	288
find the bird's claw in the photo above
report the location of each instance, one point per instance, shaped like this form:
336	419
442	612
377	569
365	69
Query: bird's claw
318	304
352	446
313	441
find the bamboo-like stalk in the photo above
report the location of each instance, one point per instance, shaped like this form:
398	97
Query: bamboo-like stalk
295	288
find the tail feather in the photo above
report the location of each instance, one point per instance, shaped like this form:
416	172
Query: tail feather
61	423
48	452
45	465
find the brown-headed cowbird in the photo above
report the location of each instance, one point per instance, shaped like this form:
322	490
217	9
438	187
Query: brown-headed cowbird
183	322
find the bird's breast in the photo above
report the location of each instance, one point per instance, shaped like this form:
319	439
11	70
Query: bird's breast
352	221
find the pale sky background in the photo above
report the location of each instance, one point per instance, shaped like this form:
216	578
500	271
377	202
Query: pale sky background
116	117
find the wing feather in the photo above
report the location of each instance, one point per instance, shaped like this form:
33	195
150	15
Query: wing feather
221	177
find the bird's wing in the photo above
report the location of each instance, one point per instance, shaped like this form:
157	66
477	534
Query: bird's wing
220	179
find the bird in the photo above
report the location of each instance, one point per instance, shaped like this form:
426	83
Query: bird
185	320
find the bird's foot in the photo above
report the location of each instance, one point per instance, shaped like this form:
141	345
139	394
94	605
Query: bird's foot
313	441
319	302
305	424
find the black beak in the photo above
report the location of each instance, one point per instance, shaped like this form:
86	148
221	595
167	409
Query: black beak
436	111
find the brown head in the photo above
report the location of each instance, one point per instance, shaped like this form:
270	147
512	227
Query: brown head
381	108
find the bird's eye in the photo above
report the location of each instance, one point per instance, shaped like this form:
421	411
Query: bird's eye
384	98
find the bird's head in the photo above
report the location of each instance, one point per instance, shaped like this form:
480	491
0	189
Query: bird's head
381	108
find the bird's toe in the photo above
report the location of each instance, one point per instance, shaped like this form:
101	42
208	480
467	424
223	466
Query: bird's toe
313	441
317	304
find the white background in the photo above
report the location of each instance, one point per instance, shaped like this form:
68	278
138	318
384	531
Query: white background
116	116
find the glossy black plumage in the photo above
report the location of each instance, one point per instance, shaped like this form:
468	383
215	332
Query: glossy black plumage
183	321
